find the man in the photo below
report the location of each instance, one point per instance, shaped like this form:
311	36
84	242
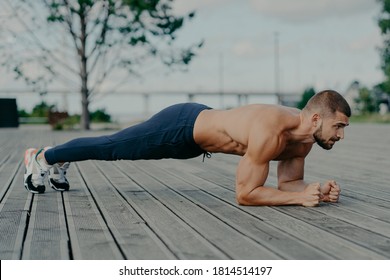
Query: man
258	133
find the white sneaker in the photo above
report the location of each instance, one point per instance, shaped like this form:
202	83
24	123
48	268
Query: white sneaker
35	172
57	179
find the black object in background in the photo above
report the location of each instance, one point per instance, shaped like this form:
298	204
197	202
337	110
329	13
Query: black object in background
8	113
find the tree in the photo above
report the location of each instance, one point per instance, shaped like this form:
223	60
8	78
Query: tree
384	25
89	42
366	103
308	93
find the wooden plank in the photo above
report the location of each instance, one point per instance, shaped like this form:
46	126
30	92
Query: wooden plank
201	220
360	177
179	237
8	172
47	234
123	221
367	191
314	236
253	227
352	217
14	217
13	193
377	243
176	234
89	235
365	209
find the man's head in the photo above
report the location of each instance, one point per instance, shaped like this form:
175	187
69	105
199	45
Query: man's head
329	113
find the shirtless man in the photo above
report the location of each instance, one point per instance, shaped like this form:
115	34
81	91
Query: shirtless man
258	133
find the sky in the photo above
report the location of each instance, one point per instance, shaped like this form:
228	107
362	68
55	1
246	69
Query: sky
321	44
325	43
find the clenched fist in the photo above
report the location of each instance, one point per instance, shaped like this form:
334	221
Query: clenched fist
330	191
312	195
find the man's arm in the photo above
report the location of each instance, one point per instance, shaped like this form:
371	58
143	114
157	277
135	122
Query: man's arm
252	173
290	178
250	189
290	175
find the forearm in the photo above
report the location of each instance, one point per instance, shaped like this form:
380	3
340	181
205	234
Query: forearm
268	196
293	186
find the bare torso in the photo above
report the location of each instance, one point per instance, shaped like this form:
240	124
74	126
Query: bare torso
228	131
262	133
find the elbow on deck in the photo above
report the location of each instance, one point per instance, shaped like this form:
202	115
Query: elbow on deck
242	200
247	199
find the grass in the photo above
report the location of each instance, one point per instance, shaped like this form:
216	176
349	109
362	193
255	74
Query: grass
371	118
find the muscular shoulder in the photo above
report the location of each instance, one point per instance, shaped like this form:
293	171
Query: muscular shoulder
272	120
269	130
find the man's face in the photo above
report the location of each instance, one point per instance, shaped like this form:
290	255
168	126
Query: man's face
331	130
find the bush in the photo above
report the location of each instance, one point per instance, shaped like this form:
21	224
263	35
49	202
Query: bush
41	110
100	115
44	111
69	123
23	114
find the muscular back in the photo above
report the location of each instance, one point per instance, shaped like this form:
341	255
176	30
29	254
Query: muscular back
230	131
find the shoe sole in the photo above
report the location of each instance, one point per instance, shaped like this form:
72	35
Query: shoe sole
58	189
54	187
31	191
35	190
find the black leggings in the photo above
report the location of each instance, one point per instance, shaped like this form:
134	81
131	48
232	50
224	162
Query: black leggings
168	134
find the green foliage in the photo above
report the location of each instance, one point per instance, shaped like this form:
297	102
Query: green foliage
23	113
384	21
366	102
100	115
41	110
308	93
384	25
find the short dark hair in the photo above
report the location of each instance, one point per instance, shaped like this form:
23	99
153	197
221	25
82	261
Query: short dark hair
328	102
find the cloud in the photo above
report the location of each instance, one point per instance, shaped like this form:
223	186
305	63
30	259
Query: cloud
309	10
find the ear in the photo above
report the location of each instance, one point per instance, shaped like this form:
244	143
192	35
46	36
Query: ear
316	120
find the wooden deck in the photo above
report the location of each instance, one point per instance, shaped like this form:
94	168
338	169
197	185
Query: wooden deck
175	209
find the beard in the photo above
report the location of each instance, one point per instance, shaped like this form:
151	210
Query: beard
323	143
